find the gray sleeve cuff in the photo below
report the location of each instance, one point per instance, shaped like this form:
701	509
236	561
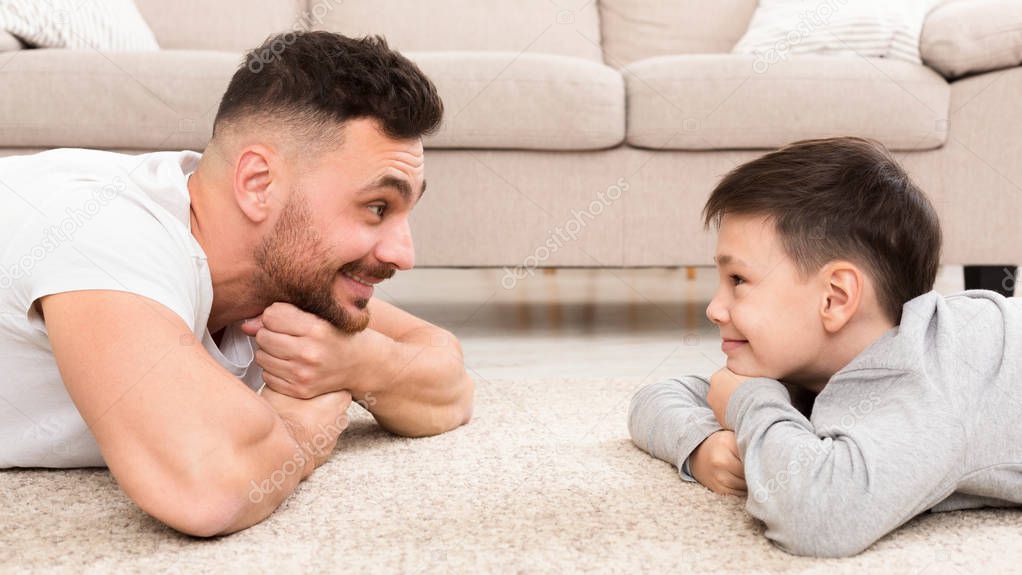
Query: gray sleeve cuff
670	419
685	472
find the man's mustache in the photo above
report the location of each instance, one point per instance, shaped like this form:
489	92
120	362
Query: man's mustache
374	271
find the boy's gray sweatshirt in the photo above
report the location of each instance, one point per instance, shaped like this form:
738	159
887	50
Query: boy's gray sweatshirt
928	417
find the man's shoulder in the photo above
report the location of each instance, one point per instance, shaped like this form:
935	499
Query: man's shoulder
100	229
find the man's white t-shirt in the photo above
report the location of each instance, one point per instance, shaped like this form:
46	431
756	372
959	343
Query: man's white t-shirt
73	219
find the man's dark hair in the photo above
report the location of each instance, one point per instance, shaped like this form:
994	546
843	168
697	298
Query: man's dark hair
315	81
840	198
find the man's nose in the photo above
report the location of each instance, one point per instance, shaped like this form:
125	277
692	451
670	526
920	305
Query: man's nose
397	248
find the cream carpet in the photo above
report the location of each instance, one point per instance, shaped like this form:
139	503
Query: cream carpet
544	479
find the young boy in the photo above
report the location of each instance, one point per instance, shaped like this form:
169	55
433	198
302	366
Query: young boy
827	254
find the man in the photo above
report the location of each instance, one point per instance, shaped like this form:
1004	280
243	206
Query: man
146	299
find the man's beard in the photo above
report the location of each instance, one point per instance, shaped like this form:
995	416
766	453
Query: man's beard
292	261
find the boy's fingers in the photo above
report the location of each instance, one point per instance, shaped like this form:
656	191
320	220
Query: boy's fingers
734	482
737	469
732	446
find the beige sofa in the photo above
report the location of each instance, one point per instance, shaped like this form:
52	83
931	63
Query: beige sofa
578	133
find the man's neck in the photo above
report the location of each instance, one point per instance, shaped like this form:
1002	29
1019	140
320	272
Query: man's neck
229	257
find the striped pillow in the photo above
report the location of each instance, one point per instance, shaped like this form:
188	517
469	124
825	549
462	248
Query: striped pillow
112	25
869	28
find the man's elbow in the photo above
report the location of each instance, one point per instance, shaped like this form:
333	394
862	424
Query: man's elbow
217	494
203	512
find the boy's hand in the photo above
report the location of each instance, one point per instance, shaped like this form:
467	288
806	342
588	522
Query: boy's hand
716	465
722	385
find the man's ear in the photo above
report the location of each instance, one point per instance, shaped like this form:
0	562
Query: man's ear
842	294
253	182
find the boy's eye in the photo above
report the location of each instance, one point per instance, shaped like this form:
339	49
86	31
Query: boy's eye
378	209
735	279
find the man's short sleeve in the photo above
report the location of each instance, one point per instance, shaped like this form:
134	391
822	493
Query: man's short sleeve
119	240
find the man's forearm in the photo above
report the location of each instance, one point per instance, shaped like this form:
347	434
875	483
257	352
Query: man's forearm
241	480
276	465
421	387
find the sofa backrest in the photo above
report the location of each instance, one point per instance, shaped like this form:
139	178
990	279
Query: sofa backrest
614	31
638	29
565	27
233	25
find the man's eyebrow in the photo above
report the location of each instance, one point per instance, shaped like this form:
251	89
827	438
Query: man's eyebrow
402	187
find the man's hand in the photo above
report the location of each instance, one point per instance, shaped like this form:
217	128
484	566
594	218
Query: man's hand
408	373
315	424
716	464
722	385
303	355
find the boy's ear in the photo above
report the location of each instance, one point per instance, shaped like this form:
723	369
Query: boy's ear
842	294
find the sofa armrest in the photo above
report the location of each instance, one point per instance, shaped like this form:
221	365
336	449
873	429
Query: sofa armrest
963	37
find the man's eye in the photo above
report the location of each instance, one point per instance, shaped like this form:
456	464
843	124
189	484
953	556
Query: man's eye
735	279
378	209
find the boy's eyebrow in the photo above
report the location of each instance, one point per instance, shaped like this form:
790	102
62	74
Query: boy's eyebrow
725	259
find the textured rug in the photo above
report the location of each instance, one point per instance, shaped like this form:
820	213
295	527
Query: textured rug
544	479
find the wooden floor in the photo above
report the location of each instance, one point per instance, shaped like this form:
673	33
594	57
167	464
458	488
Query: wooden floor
577	323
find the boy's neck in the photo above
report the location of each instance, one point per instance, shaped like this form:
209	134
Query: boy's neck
840	349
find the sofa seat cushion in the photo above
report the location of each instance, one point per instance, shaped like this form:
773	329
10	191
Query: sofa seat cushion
525	101
82	98
711	101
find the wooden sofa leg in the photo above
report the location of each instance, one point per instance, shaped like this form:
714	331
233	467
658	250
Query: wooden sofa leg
1000	279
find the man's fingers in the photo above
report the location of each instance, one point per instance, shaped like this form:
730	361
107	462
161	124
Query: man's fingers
273	364
277	344
251	326
278	384
287	319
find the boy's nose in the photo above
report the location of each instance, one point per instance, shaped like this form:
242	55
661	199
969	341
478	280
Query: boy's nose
716	312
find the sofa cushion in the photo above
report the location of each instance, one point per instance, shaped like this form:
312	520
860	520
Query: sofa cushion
870	28
107	25
224	24
526	101
639	29
700	102
168	99
967	37
143	100
8	42
565	27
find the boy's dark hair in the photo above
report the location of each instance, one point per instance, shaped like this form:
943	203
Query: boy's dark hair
315	81
841	198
